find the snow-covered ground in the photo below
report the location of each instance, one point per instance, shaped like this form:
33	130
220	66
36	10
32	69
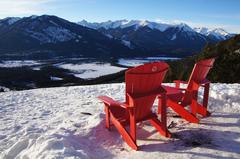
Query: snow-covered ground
4	89
90	70
140	61
56	78
18	63
68	122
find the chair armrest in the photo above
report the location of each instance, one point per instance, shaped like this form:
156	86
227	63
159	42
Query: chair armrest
132	98
156	92
109	101
178	82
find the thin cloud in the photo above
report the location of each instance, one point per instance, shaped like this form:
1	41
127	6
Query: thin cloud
23	7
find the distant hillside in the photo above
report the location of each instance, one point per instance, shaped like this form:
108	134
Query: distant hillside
50	36
226	67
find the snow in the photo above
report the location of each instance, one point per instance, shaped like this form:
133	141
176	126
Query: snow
18	63
55	78
4	89
126	43
90	70
237	51
131	62
52	34
125	23
59	34
69	122
161	26
139	61
184	27
33	16
10	20
87	24
163	58
109	36
174	37
202	30
218	33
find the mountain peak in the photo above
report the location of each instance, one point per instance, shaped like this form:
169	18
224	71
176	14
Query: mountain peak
10	20
218	33
184	27
125	23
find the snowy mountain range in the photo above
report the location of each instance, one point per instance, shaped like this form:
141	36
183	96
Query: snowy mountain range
124	24
217	32
50	36
159	38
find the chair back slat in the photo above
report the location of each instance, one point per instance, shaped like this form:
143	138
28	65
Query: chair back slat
141	80
198	74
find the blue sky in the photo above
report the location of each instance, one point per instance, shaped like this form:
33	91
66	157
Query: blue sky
210	13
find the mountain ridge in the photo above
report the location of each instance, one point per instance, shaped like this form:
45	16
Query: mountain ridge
153	25
159	38
55	36
48	36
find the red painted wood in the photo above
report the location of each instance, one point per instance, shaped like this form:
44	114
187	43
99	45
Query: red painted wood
107	117
132	124
144	79
160	127
177	99
162	108
206	94
185	114
202	110
126	136
143	85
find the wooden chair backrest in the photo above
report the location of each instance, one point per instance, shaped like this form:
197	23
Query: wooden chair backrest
198	75
143	80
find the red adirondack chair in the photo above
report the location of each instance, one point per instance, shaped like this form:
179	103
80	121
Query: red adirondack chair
178	98
143	85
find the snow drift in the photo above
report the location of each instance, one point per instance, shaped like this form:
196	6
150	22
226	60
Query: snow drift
68	122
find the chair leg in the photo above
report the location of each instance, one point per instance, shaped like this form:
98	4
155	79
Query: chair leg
132	125
193	107
162	129
107	117
206	95
126	136
202	110
182	112
162	104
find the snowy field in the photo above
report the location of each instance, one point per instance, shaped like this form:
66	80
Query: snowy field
18	63
85	68
68	122
91	70
139	61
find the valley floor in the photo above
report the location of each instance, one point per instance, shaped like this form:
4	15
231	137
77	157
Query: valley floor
68	122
